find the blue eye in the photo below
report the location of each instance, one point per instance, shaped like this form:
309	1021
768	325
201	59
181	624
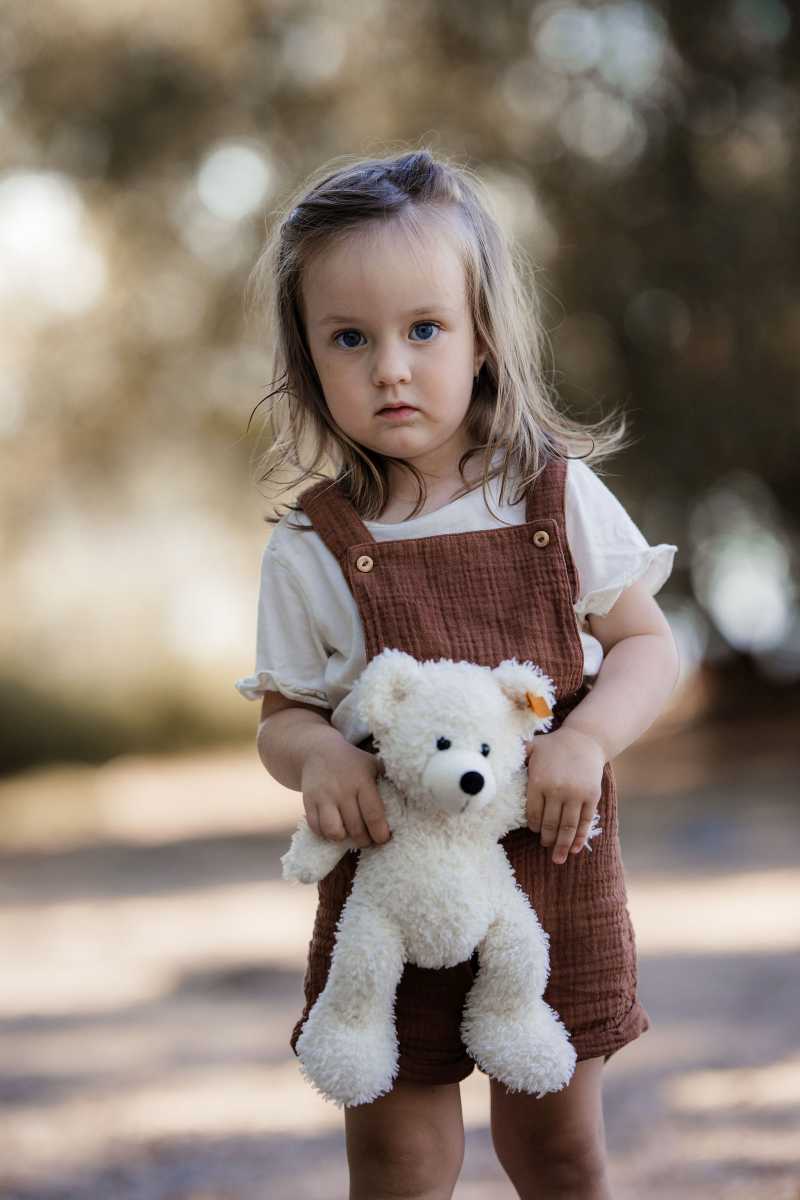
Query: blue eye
347	333
427	325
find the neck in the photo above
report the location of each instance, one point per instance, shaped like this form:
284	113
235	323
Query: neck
441	482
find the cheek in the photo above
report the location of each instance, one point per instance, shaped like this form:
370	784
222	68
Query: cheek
335	376
459	357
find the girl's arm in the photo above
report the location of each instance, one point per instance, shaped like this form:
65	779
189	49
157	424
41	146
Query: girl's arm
637	676
300	748
283	742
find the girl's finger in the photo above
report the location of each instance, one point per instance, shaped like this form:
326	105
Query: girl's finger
330	823
373	815
534	809
551	819
587	812
566	833
354	824
312	816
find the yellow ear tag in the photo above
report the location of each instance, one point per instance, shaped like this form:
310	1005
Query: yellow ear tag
538	704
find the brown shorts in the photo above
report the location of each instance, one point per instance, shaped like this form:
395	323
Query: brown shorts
593	966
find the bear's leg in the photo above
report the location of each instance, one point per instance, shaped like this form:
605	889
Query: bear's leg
507	1027
348	1046
311	857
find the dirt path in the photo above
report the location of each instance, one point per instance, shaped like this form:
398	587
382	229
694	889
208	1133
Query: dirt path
153	968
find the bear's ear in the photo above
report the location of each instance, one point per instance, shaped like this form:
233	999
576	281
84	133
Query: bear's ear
382	685
531	693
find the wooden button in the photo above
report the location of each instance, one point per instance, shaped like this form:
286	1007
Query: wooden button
541	537
364	562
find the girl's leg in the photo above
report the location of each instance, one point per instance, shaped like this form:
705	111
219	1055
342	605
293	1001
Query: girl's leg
408	1143
554	1148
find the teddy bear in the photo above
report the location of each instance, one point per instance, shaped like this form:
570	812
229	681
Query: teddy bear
452	740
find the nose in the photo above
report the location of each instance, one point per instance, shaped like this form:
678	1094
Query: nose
471	782
390	366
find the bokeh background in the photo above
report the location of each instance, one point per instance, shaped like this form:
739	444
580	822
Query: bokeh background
645	155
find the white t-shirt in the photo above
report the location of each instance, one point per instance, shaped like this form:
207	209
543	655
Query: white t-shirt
310	642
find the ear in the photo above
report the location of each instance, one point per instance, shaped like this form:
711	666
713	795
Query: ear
531	693
382	685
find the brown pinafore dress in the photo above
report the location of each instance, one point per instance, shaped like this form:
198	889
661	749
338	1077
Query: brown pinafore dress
485	596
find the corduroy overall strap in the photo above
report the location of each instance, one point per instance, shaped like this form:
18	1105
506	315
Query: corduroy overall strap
338	524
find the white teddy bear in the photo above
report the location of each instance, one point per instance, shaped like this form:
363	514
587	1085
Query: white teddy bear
451	737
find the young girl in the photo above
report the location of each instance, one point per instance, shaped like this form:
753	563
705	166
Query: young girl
460	520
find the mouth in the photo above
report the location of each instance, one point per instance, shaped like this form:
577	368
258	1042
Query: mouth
396	411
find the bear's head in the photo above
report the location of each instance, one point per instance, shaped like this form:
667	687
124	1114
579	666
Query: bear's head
450	734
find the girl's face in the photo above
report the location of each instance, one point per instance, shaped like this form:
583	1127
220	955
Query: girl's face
388	323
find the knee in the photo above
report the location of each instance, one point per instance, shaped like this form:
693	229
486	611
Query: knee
568	1161
578	1170
421	1163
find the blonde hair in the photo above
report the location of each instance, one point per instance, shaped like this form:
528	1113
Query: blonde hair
511	408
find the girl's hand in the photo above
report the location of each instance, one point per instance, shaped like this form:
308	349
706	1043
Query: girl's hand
340	794
565	777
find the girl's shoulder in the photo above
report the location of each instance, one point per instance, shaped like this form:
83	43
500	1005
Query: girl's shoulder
579	473
589	497
295	545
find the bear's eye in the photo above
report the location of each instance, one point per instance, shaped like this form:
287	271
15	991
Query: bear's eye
442	743
484	749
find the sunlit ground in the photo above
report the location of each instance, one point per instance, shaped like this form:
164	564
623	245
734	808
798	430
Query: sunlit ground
153	970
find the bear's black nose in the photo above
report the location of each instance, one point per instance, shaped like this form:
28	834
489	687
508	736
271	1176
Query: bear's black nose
471	782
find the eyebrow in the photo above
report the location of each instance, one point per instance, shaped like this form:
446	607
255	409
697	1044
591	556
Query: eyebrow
335	319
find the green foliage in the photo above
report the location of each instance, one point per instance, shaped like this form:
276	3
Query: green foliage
38	727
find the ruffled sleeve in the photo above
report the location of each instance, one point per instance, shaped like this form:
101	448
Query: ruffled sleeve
608	549
290	654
